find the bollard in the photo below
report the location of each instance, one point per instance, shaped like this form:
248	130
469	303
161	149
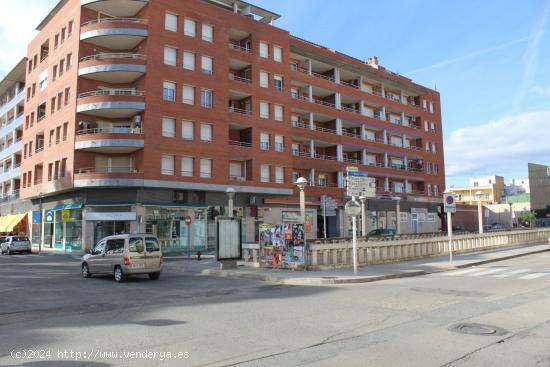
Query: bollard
199	256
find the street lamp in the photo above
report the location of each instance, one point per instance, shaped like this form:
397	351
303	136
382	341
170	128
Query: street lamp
511	215
363	200
353	209
40	196
302	183
479	214
230	192
398	213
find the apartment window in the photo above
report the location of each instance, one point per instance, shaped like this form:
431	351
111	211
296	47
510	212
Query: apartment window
425	105
277	54
207	32
431	107
70	28
264	173
56	41
426	125
54	73
279	143
61	67
436	190
188	94
432	127
264	141
69	61
429	189
187	130
57	134
168	162
168	127
279	175
33	89
50	170
43	80
264	110
67	95
436	168
52	105
30	66
207	97
398	187
169	91
434	150
65	130
206	133
59	98
235	171
322	180
56	170
264	50
187	166
171	22
41	111
63	33
264	79
206	168
427	146
428	168
189	27
170	56
278	81
207	65
279	112
188	60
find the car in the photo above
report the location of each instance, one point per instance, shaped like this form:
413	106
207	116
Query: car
493	226
382	232
11	244
124	255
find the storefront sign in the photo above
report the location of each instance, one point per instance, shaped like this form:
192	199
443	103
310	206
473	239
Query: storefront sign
36	216
49	216
108	216
66	215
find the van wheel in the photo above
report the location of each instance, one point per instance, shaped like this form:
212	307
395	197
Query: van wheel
86	271
119	274
154	276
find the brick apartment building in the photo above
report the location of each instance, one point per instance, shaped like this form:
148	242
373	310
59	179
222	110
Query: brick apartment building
140	113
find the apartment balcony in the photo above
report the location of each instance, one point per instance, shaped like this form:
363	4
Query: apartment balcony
108	176
115	33
111	103
110	140
10	196
117	8
11	172
117	68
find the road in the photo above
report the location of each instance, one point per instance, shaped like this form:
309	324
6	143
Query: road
45	305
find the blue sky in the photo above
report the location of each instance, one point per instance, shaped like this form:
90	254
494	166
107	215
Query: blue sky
490	60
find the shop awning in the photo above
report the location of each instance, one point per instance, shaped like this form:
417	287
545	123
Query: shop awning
175	205
110	203
68	206
9	222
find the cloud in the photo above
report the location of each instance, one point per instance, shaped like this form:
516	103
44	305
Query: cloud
500	147
543	90
18	20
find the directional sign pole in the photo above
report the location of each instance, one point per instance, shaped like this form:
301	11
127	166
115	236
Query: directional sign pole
450	232
325	216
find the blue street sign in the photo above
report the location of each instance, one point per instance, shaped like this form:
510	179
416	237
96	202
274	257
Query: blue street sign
49	216
36	216
358	174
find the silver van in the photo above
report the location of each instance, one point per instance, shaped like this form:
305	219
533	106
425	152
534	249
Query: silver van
124	255
11	244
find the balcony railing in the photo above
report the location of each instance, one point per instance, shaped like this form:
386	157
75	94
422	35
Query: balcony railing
115	169
110	130
351	135
114	20
9	196
325	157
237	178
114	56
323	103
239	78
240	48
351	85
240	110
244	144
112	92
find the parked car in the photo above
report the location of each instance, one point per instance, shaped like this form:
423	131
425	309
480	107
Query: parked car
382	232
493	226
11	244
124	255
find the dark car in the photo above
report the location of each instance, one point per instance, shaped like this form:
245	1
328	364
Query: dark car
382	232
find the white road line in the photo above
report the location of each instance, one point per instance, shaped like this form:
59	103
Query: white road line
461	272
487	272
534	276
513	272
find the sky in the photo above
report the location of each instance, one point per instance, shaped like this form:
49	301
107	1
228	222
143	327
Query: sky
490	61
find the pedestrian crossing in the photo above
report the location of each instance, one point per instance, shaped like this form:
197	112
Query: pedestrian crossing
502	273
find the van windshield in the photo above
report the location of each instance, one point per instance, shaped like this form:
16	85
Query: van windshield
20	239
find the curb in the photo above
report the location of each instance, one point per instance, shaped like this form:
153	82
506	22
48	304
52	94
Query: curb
501	259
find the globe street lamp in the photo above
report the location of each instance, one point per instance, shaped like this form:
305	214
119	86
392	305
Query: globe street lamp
230	192
353	210
302	183
398	214
479	214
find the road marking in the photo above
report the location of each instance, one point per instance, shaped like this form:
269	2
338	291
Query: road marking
487	272
513	272
533	276
461	272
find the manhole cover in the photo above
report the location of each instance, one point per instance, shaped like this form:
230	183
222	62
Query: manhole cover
478	329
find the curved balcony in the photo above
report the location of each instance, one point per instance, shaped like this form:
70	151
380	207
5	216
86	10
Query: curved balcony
110	140
115	33
117	8
108	177
119	68
111	103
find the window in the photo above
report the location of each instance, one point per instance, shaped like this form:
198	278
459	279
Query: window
278	80
431	107
207	32
426	125
170	56
206	133
187	130
429	189
56	41
436	168
277	54
264	79
169	93
436	190
206	168
206	98
188	94
280	175
188	60
59	98
171	22
67	95
61	67
43	80
69	61
434	150
428	168
187	166
207	65
264	110
65	130
168	164
70	28
432	127
322	180
279	143
235	171
427	146
63	32
264	50
264	173
424	105
52	105
168	127
264	141
189	27
279	112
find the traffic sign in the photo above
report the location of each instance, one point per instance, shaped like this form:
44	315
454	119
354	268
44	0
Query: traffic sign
49	216
328	206
188	220
360	184
65	215
449	203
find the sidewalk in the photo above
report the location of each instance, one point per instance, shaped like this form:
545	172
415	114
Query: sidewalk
370	273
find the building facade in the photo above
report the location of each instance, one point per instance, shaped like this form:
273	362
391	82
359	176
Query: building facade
492	191
539	185
141	113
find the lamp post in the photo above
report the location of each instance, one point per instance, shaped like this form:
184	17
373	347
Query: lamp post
363	200
353	210
511	215
40	196
479	212
230	192
398	214
302	183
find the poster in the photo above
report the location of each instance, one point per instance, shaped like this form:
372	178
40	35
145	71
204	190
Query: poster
282	245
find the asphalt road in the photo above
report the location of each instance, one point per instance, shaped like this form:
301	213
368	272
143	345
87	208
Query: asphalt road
47	310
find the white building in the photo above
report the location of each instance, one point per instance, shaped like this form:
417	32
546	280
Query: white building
517	186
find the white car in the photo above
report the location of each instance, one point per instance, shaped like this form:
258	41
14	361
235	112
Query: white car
11	244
